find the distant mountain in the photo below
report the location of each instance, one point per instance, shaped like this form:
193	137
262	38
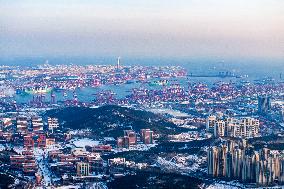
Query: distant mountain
111	120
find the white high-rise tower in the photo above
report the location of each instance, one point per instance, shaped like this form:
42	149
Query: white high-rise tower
118	63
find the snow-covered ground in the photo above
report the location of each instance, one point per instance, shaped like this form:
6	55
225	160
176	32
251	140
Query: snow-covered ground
221	186
43	165
226	185
41	159
19	149
138	147
109	139
69	187
79	131
174	113
180	163
52	147
2	147
81	143
93	185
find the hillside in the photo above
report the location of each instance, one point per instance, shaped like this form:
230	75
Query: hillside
111	120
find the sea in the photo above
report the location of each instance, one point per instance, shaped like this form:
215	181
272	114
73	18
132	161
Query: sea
249	69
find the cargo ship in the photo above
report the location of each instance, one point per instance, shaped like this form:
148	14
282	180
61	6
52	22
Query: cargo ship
160	82
38	90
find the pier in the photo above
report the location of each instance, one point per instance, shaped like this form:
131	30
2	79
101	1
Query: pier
220	74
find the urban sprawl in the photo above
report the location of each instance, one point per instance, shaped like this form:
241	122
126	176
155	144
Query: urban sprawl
230	133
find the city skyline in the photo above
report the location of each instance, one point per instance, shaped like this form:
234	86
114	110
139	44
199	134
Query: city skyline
223	29
184	94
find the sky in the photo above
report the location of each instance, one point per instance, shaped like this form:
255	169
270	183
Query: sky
143	28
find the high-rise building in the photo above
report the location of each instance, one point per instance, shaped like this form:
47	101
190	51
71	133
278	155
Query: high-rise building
120	142
247	127
146	136
118	63
52	123
83	169
233	127
129	139
264	104
131	135
219	128
37	124
28	141
22	125
41	140
213	161
242	162
282	114
210	124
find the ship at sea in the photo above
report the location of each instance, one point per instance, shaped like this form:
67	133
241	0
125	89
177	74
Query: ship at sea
38	90
160	82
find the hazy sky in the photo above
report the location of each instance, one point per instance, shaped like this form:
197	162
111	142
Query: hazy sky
152	28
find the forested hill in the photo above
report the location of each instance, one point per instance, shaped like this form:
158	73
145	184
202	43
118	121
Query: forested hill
111	120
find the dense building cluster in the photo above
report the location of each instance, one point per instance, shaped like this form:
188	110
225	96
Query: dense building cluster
78	164
25	162
192	128
238	160
43	151
34	124
232	127
41	79
130	138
